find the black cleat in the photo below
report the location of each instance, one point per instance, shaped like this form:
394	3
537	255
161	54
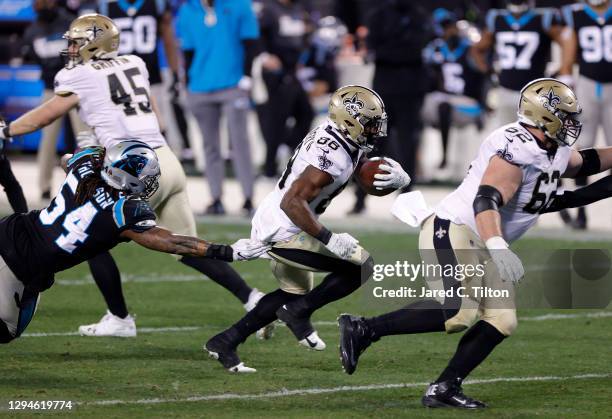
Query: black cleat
215	208
302	329
449	394
219	348
354	340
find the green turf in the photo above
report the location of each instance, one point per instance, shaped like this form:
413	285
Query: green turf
172	365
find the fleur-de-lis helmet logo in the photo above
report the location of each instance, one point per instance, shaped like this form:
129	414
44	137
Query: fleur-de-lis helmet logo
94	32
550	100
353	105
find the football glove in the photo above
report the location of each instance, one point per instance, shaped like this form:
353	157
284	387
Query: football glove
508	264
247	249
342	245
395	178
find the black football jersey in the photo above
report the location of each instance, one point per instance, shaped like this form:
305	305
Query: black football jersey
459	75
138	21
594	33
40	243
522	45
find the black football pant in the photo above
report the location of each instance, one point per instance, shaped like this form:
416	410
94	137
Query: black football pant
286	100
11	186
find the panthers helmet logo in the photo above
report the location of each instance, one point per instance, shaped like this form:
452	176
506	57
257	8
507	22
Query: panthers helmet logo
353	105
550	100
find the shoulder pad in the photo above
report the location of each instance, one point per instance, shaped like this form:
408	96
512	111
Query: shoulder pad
513	144
133	214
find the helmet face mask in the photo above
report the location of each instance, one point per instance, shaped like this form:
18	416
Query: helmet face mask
359	113
551	106
132	168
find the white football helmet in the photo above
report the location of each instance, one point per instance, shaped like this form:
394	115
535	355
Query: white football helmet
132	167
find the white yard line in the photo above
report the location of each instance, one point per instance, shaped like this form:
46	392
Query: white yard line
154	330
341	389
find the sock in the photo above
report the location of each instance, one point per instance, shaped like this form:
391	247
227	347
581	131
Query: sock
106	274
263	314
334	287
222	273
475	345
420	317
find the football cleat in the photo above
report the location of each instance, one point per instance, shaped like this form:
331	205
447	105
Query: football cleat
313	341
354	340
449	394
266	332
110	325
301	328
219	349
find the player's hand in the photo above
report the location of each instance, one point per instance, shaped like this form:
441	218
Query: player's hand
343	245
508	264
567	79
245	83
247	249
395	178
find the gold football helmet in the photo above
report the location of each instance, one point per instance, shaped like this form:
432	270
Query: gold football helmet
91	36
553	107
360	114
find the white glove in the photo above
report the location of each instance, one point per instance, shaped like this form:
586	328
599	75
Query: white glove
395	178
247	249
508	264
342	245
567	79
245	83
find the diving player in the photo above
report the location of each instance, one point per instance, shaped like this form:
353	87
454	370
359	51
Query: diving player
589	44
515	177
101	203
114	98
287	218
521	37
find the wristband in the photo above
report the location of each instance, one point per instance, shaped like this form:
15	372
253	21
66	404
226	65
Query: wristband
324	235
496	243
220	252
5	132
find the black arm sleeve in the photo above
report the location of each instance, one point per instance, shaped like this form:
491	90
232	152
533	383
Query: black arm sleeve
251	49
591	164
596	191
487	198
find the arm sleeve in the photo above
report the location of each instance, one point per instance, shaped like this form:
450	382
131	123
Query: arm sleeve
133	214
249	28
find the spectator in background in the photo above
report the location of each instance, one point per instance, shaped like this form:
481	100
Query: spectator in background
286	116
218	38
458	98
43	44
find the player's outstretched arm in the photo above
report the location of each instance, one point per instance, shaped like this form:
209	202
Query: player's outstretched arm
165	241
589	161
42	115
594	192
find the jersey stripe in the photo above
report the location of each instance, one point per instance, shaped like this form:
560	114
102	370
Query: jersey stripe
82	153
351	153
118	213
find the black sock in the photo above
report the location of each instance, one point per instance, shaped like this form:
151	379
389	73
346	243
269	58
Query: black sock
420	317
106	274
475	345
334	287
222	273
263	314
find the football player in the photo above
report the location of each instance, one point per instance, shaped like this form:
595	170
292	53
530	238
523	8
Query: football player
521	37
514	178
589	25
114	98
459	91
287	218
102	202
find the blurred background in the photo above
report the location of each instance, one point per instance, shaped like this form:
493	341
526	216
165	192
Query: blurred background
449	72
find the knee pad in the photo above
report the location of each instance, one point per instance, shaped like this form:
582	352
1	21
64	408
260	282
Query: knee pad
462	320
504	320
5	335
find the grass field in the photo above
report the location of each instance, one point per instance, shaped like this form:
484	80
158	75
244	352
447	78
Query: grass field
554	366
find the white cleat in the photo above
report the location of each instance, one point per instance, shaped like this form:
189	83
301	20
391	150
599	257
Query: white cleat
242	369
313	341
266	332
111	325
239	368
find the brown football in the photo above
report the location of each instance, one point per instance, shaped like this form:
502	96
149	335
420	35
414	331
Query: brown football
365	177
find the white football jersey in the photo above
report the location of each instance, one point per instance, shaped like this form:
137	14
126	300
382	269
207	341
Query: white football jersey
324	148
114	99
541	180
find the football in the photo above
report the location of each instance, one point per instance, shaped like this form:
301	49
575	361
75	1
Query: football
365	177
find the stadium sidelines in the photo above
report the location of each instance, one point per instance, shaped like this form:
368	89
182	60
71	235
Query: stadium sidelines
153	330
316	391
